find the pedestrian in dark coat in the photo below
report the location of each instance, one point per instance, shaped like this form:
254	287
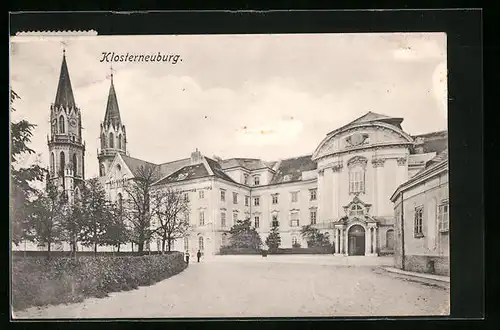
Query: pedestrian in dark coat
198	255
187	257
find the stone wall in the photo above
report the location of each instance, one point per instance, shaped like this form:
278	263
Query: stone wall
421	264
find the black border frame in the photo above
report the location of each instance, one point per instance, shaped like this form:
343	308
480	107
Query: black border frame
464	36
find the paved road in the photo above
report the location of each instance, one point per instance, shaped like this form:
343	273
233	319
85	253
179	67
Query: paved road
279	287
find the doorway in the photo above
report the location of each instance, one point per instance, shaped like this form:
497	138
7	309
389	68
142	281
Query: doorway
356	236
390	239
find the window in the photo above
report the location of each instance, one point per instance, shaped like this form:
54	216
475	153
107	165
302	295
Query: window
275	222
223	219
313	193
275	198
235	198
201	246
294	240
201	194
247	200
443	217
202	218
102	171
256	180
186	216
186	197
224	240
119	141
186	244
61	125
295	196
313	216
118	167
356	210
111	140
257	222
295	220
62	163
245	179
357	180
52	164
235	218
222	195
103	141
418	220
256	201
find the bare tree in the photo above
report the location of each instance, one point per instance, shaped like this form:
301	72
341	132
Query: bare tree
137	204
171	209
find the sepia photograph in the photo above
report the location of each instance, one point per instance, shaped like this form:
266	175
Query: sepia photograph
221	176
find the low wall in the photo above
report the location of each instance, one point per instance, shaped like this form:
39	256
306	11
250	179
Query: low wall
426	264
227	251
38	281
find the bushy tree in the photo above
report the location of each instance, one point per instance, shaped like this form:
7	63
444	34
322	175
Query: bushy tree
315	238
116	232
22	191
95	214
171	210
46	216
243	235
273	240
137	204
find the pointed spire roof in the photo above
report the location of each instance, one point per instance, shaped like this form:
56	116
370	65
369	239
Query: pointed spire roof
64	95
112	111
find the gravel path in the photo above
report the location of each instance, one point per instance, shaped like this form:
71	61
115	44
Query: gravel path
235	287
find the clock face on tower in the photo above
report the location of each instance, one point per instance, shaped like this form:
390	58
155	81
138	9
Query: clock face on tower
72	122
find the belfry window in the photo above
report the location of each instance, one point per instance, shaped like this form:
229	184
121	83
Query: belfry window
120	141
75	165
111	140
62	163
102	171
61	124
103	141
52	164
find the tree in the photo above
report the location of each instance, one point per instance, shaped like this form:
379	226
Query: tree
95	214
273	241
171	210
116	232
45	216
243	235
314	238
72	222
137	204
22	191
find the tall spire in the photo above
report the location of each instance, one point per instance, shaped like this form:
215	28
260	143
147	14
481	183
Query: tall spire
64	95
112	111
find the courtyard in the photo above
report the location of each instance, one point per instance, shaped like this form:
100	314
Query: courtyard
277	286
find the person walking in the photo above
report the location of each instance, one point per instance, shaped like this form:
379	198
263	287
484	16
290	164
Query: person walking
187	257
198	255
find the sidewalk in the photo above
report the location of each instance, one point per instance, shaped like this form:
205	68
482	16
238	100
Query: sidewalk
438	278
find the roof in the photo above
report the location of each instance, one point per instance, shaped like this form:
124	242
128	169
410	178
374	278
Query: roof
186	173
247	163
134	163
438	159
197	171
112	111
372	117
293	168
170	167
64	94
431	142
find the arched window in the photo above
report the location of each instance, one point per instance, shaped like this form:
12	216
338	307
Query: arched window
62	163
52	164
62	124
357	167
201	244
111	140
356	210
75	165
120	201
102	170
120	141
103	141
118	167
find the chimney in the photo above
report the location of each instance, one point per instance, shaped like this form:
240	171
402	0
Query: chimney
217	159
196	157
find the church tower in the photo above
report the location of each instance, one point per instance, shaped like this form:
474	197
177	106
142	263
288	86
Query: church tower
66	146
113	135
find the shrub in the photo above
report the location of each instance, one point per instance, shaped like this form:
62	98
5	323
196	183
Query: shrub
37	281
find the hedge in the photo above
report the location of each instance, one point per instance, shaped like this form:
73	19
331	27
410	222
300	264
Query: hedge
38	281
242	251
22	254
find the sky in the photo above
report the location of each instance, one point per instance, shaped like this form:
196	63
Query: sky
257	96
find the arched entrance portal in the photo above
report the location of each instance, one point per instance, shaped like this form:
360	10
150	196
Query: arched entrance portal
356	236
